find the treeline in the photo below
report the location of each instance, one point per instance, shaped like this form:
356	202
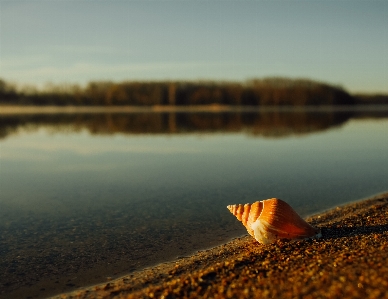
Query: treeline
271	91
368	99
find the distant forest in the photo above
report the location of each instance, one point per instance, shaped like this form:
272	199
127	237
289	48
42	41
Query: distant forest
269	91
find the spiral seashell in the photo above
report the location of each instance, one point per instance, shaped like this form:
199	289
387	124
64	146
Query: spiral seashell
272	219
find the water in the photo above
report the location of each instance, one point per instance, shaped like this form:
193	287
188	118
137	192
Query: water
90	196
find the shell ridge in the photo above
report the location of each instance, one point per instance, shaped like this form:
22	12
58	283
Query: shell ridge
245	216
261	212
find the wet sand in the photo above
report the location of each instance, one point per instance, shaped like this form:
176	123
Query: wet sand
349	261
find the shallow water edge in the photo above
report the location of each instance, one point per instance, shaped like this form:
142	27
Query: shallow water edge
336	223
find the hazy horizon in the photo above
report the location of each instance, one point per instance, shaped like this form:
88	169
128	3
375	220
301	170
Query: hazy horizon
340	43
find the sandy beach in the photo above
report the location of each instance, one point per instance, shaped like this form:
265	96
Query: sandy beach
349	261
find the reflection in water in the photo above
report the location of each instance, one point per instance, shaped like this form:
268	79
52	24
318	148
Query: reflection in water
271	124
78	207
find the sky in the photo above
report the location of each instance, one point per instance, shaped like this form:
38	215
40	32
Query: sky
338	42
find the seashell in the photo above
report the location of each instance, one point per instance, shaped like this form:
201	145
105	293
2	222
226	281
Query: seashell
272	219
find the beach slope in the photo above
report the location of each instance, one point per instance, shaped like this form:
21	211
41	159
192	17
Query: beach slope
349	261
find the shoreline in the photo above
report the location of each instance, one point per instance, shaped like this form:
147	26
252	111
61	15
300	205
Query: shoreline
215	108
348	261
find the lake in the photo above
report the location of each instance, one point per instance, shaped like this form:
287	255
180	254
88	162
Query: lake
86	197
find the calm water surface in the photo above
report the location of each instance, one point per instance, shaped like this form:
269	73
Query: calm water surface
86	197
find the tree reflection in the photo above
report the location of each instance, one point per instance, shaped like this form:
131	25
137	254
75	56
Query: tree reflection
266	124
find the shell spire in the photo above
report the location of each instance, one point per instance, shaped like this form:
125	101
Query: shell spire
272	219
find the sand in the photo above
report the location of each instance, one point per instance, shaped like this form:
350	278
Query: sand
349	261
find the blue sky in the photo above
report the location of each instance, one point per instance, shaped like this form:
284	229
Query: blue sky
339	42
